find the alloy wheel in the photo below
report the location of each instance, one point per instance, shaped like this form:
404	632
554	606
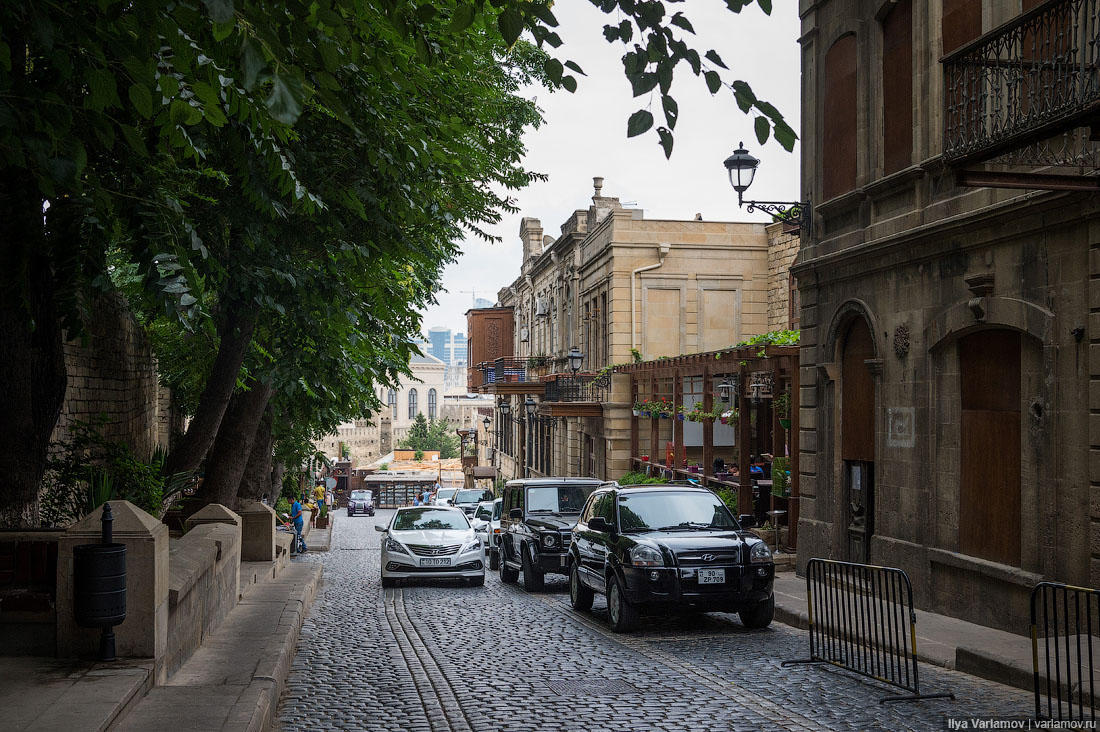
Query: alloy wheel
613	601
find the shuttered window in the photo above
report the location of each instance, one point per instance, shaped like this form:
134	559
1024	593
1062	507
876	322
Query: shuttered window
897	87
838	152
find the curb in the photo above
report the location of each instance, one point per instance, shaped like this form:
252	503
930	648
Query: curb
255	709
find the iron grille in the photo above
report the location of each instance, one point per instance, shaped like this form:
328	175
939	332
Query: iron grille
1033	77
424	550
578	388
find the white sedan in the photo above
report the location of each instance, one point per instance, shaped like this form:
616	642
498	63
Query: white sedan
431	541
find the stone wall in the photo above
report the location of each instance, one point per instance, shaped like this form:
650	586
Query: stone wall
203	586
783	241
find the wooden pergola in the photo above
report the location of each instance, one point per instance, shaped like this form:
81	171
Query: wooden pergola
773	369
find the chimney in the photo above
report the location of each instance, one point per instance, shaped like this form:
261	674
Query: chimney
530	233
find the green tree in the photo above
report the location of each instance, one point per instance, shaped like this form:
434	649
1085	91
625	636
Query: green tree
437	434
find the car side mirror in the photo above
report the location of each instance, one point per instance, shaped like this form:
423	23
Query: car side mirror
747	520
380	529
599	523
516	513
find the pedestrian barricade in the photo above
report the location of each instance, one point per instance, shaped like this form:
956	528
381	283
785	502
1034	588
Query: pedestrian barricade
1064	621
862	619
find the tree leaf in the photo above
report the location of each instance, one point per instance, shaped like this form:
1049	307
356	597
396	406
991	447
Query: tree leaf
638	123
714	81
285	100
134	139
252	63
784	135
765	5
510	23
743	94
142	99
573	65
543	13
672	110
221	11
715	59
462	18
666	141
763	129
553	69
570	83
102	91
679	20
643	83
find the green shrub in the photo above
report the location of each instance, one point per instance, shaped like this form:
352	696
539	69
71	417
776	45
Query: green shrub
729	497
282	505
638	478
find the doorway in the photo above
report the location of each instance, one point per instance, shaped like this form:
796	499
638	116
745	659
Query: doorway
857	439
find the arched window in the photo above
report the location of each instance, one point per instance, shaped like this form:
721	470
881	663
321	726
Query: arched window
897	87
838	149
391	399
412	404
431	403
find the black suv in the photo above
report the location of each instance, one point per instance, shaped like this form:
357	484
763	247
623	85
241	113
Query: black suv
667	546
537	518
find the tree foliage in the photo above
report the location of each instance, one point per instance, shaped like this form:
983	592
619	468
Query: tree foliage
437	434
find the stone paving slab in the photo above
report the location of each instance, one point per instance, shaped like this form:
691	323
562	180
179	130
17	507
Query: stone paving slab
233	680
59	694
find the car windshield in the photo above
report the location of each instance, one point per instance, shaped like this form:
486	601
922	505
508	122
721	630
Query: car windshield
470	496
360	495
497	509
419	519
673	511
444	493
558	498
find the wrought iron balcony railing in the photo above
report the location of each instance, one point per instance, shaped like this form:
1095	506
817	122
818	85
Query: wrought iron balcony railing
1033	77
580	388
507	370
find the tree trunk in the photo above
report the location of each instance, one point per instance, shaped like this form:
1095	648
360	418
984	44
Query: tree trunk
233	445
236	334
256	481
277	473
32	360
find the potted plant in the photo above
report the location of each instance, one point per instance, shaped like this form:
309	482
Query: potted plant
638	408
783	409
679	410
729	415
322	518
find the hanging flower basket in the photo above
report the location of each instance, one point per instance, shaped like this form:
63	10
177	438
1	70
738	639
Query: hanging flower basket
637	412
680	416
786	423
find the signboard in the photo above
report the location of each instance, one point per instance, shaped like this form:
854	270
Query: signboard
901	426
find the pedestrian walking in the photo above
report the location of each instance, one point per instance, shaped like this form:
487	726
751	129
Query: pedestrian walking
299	522
319	494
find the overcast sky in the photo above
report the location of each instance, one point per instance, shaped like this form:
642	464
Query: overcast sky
585	135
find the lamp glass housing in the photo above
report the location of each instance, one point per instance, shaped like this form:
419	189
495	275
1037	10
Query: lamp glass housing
530	405
742	168
576	357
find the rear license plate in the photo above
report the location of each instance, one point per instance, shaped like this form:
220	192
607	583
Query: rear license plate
435	562
712	576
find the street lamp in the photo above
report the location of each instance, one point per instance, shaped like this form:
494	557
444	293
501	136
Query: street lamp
486	422
742	169
575	359
725	391
530	405
504	406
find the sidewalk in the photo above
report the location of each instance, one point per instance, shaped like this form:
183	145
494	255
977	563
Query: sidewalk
320	540
941	641
233	681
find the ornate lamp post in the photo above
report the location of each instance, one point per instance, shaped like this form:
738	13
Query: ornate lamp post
576	357
529	407
742	169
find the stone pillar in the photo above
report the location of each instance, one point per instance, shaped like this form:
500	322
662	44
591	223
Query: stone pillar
257	532
144	633
212	513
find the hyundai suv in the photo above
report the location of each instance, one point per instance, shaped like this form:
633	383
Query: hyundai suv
537	518
667	546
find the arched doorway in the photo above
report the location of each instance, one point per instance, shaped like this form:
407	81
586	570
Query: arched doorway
989	460
857	438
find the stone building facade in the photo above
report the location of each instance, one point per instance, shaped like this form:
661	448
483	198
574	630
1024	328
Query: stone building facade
365	440
614	283
950	377
783	241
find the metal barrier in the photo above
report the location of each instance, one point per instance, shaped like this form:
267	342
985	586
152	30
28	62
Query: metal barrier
862	619
1070	617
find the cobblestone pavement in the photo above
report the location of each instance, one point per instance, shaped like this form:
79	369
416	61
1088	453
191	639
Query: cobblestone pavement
441	656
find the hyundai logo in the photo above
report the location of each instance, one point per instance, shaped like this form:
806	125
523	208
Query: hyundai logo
708	557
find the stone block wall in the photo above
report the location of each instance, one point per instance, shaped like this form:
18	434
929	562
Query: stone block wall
783	245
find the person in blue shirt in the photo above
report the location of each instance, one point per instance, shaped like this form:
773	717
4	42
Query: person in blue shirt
299	521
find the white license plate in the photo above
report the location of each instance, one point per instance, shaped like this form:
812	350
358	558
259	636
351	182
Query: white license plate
446	562
712	576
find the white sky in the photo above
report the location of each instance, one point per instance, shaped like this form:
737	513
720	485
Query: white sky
585	135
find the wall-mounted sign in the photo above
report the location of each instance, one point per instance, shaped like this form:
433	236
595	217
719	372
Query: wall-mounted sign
901	426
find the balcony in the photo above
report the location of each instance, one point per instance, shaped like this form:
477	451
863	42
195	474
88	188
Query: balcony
575	395
510	376
1036	77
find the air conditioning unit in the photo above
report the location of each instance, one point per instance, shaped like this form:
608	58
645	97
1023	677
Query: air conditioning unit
542	307
523	334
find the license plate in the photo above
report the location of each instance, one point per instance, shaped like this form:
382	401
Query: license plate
445	562
712	576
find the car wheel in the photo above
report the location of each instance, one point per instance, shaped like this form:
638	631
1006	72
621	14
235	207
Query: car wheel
532	577
507	575
389	582
494	560
759	615
621	615
477	581
580	596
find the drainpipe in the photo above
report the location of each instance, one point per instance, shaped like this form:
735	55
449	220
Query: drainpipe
662	252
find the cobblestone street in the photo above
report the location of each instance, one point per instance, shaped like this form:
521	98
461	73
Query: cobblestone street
440	656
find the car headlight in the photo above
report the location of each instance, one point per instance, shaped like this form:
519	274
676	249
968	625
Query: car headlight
392	545
472	546
760	553
644	555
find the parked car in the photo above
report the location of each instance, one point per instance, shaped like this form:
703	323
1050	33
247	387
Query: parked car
361	502
468	499
430	541
668	546
538	515
486	522
443	496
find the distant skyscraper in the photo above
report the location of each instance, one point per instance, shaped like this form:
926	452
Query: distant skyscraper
481	302
457	349
439	340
